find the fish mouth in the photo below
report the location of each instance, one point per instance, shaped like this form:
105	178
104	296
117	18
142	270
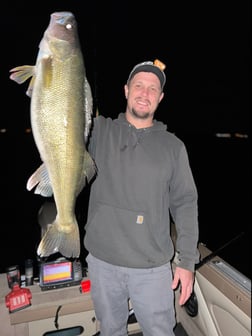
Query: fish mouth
62	18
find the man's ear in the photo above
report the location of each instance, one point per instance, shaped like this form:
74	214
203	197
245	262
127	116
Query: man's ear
126	90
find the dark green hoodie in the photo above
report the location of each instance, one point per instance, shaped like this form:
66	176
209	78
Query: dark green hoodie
142	175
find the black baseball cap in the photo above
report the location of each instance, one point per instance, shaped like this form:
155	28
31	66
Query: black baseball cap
155	67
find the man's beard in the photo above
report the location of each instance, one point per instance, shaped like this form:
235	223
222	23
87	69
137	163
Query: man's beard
141	116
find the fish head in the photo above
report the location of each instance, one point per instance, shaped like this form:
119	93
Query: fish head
61	36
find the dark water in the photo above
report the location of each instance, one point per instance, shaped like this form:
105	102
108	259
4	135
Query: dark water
222	174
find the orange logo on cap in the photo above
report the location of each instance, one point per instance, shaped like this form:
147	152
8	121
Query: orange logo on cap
159	64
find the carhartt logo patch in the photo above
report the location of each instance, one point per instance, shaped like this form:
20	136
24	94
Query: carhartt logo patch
140	219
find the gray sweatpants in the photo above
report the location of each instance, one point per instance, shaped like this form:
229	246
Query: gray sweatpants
150	295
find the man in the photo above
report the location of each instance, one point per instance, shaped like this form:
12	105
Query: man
143	177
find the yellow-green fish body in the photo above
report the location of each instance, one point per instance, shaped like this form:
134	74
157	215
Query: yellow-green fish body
61	109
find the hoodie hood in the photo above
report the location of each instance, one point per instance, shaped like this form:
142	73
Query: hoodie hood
132	136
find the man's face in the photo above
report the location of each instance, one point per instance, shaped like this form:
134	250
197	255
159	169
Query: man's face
143	95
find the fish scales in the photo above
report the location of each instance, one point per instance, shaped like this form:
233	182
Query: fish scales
61	112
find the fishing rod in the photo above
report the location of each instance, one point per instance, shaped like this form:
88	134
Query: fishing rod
214	253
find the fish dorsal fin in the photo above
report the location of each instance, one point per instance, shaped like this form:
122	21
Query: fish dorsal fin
88	108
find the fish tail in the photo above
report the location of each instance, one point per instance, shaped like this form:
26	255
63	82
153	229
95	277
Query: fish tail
65	242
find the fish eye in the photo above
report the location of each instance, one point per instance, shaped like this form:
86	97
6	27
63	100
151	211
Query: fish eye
69	26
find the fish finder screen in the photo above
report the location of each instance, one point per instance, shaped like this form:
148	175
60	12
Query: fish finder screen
57	272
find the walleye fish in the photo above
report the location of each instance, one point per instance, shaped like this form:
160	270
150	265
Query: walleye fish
61	112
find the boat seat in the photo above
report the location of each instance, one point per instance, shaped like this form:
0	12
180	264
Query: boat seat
72	331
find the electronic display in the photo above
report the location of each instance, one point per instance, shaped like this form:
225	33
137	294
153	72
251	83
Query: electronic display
59	273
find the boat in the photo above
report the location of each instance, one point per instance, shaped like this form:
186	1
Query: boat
220	304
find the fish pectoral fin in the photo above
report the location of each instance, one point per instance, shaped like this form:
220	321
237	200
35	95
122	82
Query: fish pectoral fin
21	73
46	65
40	178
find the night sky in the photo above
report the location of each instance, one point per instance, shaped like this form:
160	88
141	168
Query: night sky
206	49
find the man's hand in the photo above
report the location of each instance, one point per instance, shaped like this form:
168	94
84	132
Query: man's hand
186	279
